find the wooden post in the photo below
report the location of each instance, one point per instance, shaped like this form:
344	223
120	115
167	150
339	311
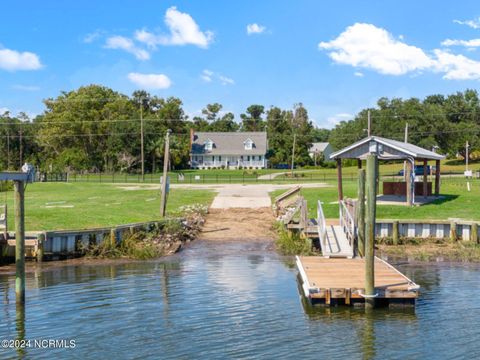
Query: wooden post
113	237
361	212
163	199
437	177
395	233
142	153
425	178
408	179
370	230
339	179
453	231
474	233
40	244
19	189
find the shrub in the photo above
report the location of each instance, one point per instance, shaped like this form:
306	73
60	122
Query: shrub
291	243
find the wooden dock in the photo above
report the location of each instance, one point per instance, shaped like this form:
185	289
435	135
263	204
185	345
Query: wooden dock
340	281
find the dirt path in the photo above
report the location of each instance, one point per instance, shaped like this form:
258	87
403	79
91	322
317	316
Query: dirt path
242	224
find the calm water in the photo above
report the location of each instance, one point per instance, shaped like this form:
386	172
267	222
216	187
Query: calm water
218	301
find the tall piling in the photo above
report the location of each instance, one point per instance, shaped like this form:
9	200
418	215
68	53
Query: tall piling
361	212
19	198
371	192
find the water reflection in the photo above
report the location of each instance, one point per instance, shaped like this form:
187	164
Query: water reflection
229	301
20	326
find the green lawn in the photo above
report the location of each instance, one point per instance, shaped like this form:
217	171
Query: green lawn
55	206
458	203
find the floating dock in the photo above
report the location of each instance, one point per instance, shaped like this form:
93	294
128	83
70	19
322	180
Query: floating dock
340	281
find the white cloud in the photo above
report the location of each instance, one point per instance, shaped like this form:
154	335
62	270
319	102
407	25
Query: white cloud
12	60
91	37
467	43
150	81
225	80
457	67
26	87
337	118
3	110
255	29
126	44
207	75
474	23
183	31
368	46
358	74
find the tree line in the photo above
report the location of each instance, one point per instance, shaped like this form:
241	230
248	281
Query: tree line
95	128
438	122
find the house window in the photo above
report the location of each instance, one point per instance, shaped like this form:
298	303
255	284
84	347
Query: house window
248	158
209	145
219	158
248	144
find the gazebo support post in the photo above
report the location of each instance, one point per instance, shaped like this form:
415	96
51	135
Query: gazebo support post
339	179
359	163
408	178
437	177
425	178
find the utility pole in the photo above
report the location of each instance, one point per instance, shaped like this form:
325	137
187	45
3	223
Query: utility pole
8	148
163	199
293	152
141	139
21	146
405	162
466	155
369	124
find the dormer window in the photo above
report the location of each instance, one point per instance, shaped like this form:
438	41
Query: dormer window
248	144
208	145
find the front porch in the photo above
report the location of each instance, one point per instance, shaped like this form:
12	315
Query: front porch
228	162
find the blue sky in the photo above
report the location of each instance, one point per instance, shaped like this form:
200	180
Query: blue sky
335	57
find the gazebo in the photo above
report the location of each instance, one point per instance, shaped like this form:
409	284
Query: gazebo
390	150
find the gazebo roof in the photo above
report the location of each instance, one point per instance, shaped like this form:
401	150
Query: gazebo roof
388	149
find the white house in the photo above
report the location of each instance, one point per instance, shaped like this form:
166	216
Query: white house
320	151
229	150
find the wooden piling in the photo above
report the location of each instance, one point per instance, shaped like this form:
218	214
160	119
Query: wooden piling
371	186
339	179
40	245
361	212
19	198
395	233
166	157
113	237
453	231
474	233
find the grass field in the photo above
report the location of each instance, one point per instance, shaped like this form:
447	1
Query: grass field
55	206
458	203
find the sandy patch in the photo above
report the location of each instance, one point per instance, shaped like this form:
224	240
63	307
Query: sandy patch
239	224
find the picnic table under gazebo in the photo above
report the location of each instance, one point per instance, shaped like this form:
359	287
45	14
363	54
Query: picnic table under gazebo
391	150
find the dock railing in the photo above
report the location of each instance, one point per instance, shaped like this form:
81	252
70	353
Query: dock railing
322	226
347	222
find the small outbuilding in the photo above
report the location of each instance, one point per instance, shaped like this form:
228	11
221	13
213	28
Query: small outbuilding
390	150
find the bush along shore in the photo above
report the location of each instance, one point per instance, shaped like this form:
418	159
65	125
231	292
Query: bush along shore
431	250
165	239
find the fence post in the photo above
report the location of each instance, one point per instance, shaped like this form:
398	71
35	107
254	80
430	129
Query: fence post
453	231
40	243
395	233
474	232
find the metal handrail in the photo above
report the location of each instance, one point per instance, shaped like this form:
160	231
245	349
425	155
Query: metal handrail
322	226
347	222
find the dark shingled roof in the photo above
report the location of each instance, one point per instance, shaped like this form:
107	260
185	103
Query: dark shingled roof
230	143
